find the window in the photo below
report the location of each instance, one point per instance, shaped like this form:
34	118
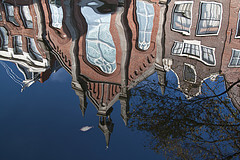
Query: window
235	59
10	14
208	55
100	48
189	73
145	16
56	13
177	48
26	16
238	26
191	49
56	2
194	49
182	17
4	39
17	45
209	18
1	16
33	51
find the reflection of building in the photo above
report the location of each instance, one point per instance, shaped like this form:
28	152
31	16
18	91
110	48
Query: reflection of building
231	56
196	33
106	47
109	46
21	43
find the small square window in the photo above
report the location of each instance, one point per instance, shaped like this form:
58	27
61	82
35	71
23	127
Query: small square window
235	59
208	55
177	48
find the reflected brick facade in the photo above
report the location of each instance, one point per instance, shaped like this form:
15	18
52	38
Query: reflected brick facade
232	74
171	46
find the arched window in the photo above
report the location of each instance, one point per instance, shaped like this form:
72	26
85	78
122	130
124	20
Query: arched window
145	16
189	73
100	48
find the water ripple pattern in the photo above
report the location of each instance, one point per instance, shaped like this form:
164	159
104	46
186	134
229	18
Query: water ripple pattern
100	48
145	15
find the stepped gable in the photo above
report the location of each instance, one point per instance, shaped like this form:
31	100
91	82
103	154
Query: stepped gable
194	46
231	57
143	18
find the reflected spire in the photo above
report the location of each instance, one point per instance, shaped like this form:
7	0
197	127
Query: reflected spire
124	100
82	96
106	125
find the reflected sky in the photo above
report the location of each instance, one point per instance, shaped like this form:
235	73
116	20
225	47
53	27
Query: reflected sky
44	122
133	79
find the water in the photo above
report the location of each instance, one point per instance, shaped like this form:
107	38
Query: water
118	80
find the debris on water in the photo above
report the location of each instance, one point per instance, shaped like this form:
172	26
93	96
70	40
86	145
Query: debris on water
86	128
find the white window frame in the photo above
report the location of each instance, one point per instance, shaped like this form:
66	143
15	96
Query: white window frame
199	18
237	66
195	57
176	30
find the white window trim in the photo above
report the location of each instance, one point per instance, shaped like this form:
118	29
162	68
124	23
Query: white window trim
194	70
199	16
194	57
237	24
176	30
231	59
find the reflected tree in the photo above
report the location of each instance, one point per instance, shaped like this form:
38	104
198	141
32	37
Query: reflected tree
204	127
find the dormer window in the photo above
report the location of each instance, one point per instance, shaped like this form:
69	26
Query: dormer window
210	18
182	17
235	59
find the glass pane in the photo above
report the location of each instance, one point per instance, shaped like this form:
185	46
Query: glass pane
145	15
182	18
